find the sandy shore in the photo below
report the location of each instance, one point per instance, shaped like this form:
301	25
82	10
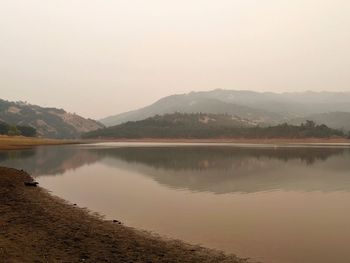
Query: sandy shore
37	227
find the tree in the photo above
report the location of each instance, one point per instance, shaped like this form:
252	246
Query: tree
310	124
4	128
27	131
13	131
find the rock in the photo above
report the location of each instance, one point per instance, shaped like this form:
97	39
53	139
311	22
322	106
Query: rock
33	184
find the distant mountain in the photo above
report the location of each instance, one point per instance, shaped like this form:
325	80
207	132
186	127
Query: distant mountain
192	103
286	104
336	120
266	107
48	122
205	126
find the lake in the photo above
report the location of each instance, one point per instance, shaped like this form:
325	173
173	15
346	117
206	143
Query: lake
273	204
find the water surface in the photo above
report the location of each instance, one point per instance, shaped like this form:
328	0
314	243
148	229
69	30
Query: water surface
273	204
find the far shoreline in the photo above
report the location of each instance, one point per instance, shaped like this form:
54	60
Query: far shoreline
268	141
21	143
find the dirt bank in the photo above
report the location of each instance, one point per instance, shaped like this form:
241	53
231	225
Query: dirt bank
37	227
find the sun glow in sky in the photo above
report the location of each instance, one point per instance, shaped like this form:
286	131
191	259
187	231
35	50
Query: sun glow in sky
99	58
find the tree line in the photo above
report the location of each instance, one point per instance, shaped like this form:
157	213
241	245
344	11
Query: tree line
166	127
17	130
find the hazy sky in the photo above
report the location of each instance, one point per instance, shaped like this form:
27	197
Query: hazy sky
101	57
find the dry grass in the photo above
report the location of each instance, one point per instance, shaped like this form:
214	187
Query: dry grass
20	142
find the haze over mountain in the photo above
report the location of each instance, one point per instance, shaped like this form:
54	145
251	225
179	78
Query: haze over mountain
48	122
176	125
206	126
258	107
339	120
125	54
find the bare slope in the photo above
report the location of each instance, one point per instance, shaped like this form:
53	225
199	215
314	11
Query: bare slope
48	122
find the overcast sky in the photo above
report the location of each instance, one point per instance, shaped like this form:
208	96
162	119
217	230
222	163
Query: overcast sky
102	57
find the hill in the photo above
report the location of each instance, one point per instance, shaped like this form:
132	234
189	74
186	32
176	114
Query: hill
267	107
191	103
337	120
203	126
48	122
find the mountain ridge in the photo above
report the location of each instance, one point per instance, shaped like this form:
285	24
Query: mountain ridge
262	107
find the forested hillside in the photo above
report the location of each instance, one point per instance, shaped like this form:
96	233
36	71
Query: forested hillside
14	130
202	126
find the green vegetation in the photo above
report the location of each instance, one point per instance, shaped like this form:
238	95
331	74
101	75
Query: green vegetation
13	130
203	126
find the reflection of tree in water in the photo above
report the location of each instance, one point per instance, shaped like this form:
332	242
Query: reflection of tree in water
56	160
226	170
213	169
16	154
47	160
199	158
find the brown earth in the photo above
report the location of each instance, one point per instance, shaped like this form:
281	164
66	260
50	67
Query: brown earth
20	142
37	227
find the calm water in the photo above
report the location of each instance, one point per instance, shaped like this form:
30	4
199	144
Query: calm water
285	205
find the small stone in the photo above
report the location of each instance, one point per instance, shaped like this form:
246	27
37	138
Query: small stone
33	184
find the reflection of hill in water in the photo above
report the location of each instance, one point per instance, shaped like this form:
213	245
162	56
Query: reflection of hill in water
48	160
224	169
194	158
212	169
